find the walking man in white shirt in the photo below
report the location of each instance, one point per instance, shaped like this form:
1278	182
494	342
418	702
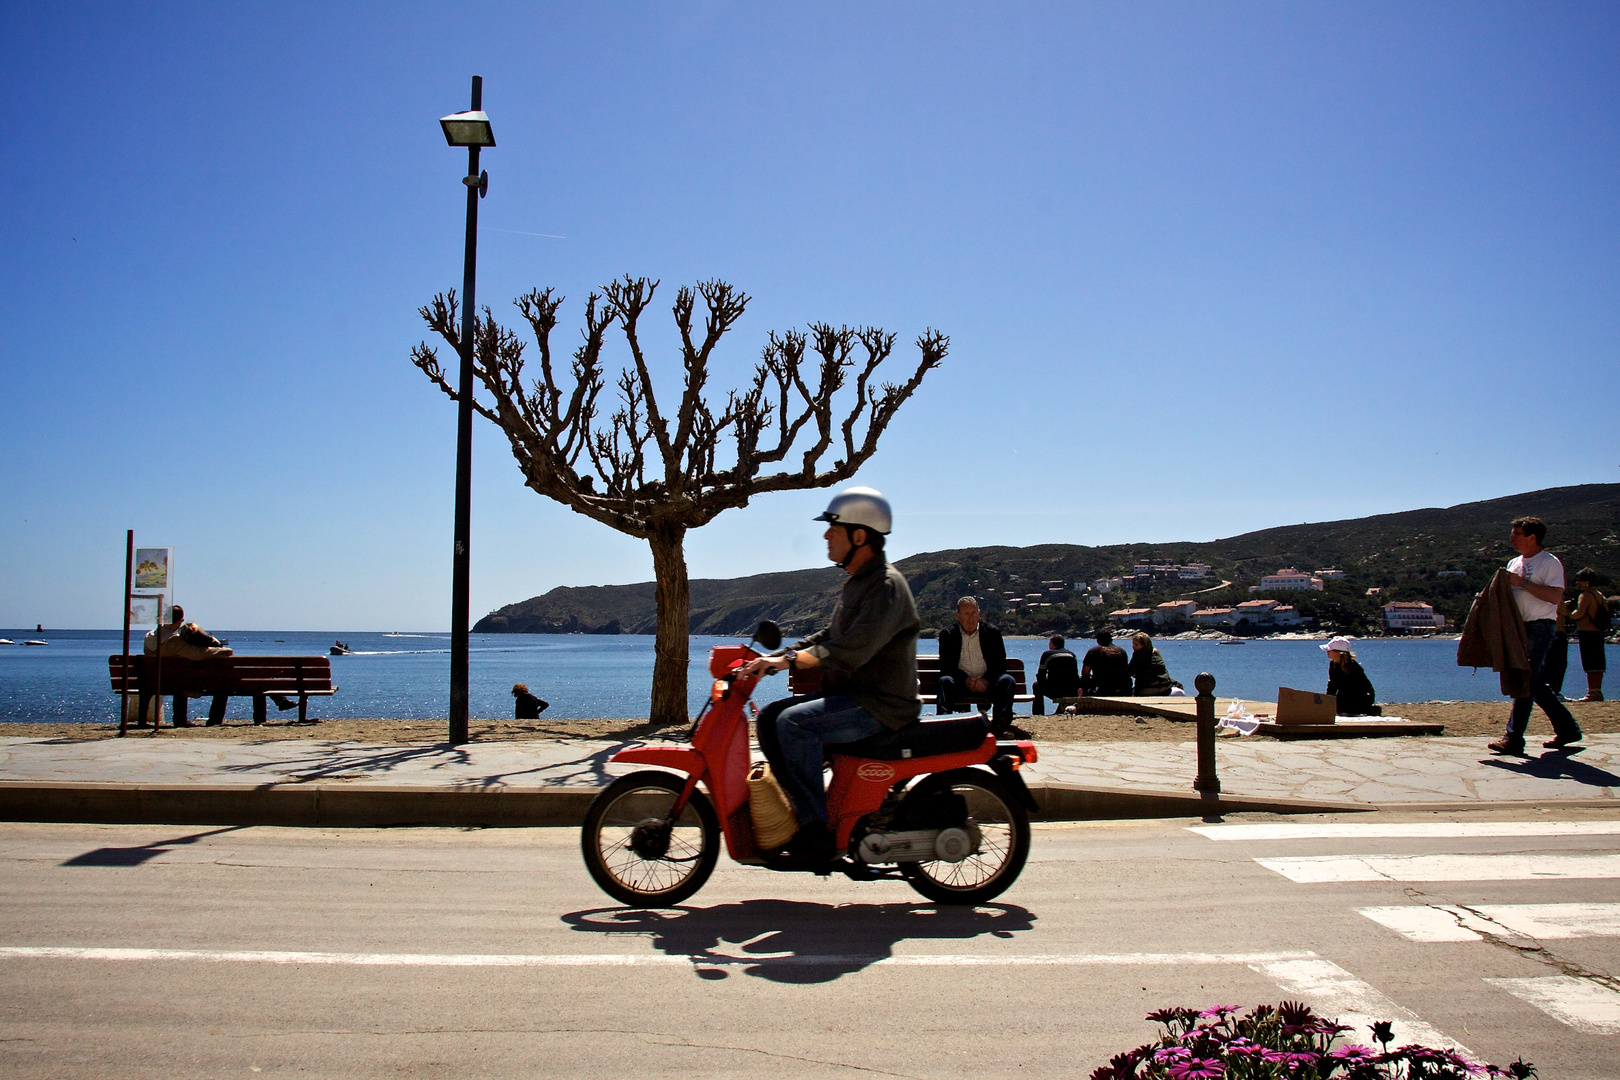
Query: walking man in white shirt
1538	589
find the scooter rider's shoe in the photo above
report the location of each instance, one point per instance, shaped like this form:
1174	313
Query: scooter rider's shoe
812	847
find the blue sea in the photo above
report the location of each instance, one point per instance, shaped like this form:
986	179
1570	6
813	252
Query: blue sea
408	675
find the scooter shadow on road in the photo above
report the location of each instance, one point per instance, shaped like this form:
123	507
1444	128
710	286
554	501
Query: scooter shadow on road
793	941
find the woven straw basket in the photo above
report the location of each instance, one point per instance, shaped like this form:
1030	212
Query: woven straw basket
774	823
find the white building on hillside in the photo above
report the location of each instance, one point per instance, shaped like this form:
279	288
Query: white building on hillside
1132	616
1215	616
1412	615
1289	578
1174	610
1330	574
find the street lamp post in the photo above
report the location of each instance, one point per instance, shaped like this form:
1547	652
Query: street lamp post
470	129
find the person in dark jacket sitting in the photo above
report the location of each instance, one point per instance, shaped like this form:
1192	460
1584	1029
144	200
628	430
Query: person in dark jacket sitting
1347	683
1057	676
973	661
1106	671
528	707
1147	668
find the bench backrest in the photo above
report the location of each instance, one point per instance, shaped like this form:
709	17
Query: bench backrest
808	680
235	675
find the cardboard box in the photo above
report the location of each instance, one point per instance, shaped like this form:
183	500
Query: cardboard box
1305	707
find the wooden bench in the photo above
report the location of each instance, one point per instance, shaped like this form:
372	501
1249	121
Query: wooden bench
257	677
808	681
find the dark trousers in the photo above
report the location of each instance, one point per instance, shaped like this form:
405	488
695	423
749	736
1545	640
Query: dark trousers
1042	692
1541	633
1558	662
1001	698
179	715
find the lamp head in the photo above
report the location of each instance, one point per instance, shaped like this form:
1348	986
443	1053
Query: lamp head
467	129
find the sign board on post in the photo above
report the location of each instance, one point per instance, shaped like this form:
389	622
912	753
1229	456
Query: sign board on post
154	569
1305	707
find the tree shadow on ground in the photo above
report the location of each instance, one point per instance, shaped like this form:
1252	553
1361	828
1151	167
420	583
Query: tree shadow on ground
1557	765
140	853
349	763
791	941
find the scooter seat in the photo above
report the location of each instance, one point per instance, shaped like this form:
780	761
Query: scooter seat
924	738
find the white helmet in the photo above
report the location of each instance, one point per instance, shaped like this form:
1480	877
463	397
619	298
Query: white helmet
861	507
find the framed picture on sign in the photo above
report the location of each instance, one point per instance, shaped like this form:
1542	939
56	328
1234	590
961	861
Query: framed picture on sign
146	610
154	568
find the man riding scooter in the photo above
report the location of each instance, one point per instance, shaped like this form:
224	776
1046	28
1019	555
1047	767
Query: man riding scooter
869	658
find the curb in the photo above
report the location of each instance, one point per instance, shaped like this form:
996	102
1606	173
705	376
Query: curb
1070	802
376	805
301	805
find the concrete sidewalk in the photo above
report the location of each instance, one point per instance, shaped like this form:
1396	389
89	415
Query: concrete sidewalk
176	780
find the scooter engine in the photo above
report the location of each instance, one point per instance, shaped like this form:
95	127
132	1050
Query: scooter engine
919	845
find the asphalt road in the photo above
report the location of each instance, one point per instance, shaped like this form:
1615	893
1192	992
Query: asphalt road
137	951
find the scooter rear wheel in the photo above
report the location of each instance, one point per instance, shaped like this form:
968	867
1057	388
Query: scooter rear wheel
636	853
999	856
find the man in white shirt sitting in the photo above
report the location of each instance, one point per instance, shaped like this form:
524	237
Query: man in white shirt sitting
1538	589
973	664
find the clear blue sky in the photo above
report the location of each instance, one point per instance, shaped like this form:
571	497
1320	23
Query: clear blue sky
1206	268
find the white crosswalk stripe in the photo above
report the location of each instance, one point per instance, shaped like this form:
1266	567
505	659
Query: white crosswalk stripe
1544	922
1398	830
1333	991
1589	1005
1580	1003
1314	869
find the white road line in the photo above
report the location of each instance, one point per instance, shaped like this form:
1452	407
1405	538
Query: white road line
1334	992
1446	922
1312	869
1583	1005
219	956
1359	830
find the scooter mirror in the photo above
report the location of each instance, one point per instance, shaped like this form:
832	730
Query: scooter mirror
768	634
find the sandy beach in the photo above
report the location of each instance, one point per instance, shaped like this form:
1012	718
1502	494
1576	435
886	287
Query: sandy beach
1461	718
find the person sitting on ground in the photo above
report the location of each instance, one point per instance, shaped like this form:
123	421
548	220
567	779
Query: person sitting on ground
1147	668
1591	617
1057	676
868	655
1105	672
1347	682
973	662
528	706
185	641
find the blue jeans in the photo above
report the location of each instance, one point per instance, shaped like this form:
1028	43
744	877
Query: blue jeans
795	733
1564	725
1001	699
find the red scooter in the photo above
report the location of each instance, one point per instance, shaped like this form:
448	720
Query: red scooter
939	803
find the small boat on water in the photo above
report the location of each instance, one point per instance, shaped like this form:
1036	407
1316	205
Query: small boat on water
1231	641
339	649
36	642
6	641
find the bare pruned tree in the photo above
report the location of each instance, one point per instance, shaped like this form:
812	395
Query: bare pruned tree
650	475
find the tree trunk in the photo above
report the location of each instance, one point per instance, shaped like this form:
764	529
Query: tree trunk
672	645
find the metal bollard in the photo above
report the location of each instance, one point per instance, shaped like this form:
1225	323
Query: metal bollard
1207	784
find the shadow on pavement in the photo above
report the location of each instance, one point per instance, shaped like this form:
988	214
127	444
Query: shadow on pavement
1557	765
791	941
135	856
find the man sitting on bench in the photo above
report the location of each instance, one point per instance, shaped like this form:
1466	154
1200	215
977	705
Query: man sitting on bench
1106	671
188	641
1058	676
973	663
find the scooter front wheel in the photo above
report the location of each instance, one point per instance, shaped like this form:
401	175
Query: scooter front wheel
638	852
1001	832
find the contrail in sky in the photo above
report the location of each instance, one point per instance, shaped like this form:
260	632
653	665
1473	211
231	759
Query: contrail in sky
520	232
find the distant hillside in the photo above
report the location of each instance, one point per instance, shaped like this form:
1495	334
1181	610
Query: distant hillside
1400	554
